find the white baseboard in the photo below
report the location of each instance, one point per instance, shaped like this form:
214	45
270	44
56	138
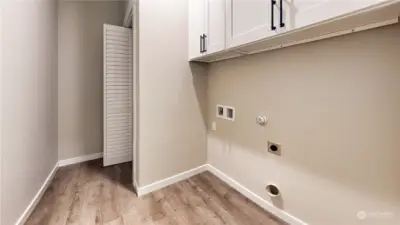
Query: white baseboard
171	180
28	211
135	185
164	183
32	205
255	198
80	159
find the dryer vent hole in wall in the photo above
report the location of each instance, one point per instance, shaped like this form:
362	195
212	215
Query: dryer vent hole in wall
274	148
273	190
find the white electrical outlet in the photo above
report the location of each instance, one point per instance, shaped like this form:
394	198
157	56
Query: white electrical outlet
214	126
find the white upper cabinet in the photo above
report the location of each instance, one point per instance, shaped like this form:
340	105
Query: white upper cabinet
227	28
215	26
206	27
197	15
308	12
250	20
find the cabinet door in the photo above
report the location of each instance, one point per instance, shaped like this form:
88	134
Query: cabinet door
250	20
285	15
215	26
308	12
197	17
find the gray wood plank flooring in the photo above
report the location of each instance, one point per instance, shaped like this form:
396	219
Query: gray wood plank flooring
88	194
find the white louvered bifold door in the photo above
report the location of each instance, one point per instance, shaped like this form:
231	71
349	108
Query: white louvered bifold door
117	95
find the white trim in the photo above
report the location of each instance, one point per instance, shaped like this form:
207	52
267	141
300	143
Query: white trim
164	183
170	180
1	104
253	197
32	205
135	185
329	35
135	94
80	159
231	182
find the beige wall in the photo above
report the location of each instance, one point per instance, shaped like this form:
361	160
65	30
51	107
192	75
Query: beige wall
29	101
80	59
172	94
334	106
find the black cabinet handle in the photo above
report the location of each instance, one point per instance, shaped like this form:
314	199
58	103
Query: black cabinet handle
201	43
204	43
282	24
273	27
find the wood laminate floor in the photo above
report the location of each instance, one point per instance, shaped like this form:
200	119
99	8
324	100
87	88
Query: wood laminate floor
88	194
